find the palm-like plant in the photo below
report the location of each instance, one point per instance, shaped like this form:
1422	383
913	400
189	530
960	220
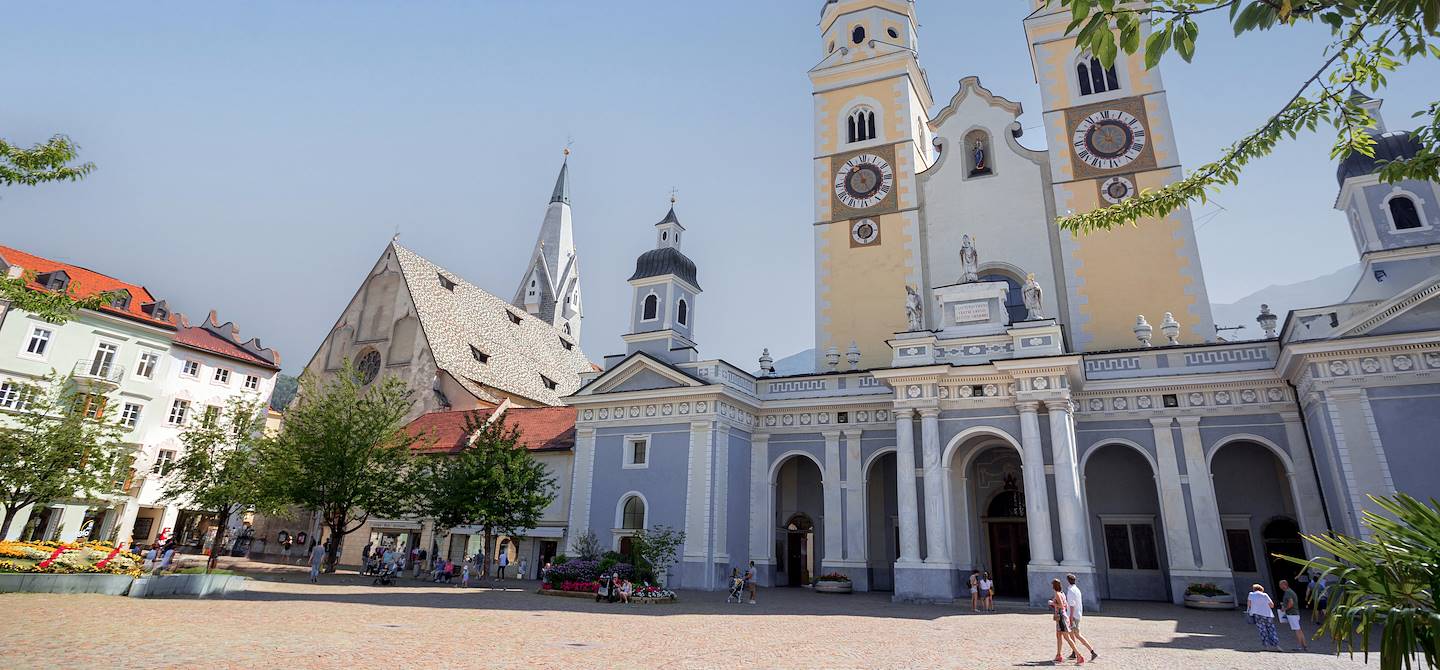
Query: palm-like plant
1386	583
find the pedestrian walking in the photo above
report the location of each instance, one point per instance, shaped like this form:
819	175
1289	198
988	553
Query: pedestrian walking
987	591
1075	600
1320	596
1062	624
465	574
1290	609
166	558
365	552
1261	611
317	558
504	563
149	559
415	563
520	570
974	590
750	585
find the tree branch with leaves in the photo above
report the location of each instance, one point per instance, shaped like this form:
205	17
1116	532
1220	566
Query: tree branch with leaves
1369	41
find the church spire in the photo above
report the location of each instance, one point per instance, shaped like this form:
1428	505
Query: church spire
550	287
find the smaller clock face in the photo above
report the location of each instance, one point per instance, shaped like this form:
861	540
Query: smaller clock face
1116	189
863	181
1109	139
864	231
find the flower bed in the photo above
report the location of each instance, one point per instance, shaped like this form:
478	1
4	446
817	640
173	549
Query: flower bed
1208	597
580	587
74	558
835	582
652	593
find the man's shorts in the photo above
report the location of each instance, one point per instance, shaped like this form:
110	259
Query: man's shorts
1293	620
1074	624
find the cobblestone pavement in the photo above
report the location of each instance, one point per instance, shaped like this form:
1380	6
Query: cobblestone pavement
284	622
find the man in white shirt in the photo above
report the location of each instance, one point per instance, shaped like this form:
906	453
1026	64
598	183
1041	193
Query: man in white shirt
1075	602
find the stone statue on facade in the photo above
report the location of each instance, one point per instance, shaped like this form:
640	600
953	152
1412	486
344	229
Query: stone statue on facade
1033	295
969	261
914	308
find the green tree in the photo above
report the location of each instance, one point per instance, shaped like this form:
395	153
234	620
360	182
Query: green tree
51	306
222	469
61	444
656	548
1386	583
50	161
343	452
1369	40
492	482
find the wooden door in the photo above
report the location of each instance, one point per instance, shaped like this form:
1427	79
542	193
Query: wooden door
1009	555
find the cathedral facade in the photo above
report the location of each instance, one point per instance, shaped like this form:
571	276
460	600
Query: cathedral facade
992	393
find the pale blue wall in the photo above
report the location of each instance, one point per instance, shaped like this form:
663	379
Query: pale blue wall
1408	418
665	490
1429	211
1118	480
737	508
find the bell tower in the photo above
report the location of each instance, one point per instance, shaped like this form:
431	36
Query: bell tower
871	138
1110	137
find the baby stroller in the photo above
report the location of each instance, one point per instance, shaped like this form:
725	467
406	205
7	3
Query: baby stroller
737	590
388	574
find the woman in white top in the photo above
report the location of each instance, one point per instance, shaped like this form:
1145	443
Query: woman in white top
987	591
1261	610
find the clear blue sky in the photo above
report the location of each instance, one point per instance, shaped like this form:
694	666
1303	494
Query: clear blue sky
256	157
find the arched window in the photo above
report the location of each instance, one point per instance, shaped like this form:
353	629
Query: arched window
682	312
1014	300
1093	78
860	125
652	305
633	517
1403	213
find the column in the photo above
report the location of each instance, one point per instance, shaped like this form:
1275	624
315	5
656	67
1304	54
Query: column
1202	496
762	523
905	486
1073	524
697	494
71	518
834	529
126	522
1172	497
1037	488
855	521
578	522
1303	480
960	503
937	546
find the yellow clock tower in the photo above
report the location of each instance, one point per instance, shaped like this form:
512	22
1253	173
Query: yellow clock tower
871	101
1109	136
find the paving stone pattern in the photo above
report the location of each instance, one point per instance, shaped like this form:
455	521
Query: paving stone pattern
284	622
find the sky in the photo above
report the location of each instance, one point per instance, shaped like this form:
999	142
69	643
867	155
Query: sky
255	158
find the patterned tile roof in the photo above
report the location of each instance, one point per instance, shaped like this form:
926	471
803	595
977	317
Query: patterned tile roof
521	351
224	340
85	283
541	428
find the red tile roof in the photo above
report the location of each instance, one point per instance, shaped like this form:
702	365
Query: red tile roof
541	428
204	340
85	283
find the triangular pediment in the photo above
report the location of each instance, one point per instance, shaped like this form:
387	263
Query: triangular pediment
1412	309
640	372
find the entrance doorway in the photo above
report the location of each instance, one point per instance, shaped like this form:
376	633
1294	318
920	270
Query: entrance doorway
1009	541
1282	536
799	550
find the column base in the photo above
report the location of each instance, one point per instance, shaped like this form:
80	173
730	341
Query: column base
917	582
1038	576
857	571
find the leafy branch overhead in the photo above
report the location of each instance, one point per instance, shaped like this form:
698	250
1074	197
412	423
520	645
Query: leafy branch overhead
1369	40
46	162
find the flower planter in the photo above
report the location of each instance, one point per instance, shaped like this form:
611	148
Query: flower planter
110	585
832	587
1199	602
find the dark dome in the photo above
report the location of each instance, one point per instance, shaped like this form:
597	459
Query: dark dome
1388	147
665	261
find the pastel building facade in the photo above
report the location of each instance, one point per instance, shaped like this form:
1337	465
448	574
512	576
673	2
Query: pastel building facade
992	393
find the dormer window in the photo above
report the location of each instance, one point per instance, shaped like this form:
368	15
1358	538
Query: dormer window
478	355
514	318
55	281
445	282
549	383
566	343
121	300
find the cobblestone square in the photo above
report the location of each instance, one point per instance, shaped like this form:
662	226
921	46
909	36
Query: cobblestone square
344	622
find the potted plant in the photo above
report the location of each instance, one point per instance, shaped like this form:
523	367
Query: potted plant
834	582
1208	597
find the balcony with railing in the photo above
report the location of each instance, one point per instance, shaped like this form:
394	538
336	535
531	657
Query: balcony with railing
98	375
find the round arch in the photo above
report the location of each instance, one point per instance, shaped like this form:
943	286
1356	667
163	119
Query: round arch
1149	457
620	509
873	459
1250	437
778	462
948	455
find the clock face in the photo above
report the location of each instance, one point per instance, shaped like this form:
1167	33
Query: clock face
1116	189
1109	139
863	181
864	231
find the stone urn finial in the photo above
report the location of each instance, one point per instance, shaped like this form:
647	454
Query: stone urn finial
832	358
1267	320
1170	328
767	364
852	355
1143	330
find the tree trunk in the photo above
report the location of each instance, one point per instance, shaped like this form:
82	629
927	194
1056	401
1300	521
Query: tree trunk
337	539
11	510
222	521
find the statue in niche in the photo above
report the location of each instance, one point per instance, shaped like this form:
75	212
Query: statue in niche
969	261
1033	295
979	144
914	308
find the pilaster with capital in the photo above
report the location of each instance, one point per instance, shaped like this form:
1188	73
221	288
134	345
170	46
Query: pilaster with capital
854	498
580	478
1037	489
1074	545
762	524
1213	555
905	486
1172	497
834	529
937	546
